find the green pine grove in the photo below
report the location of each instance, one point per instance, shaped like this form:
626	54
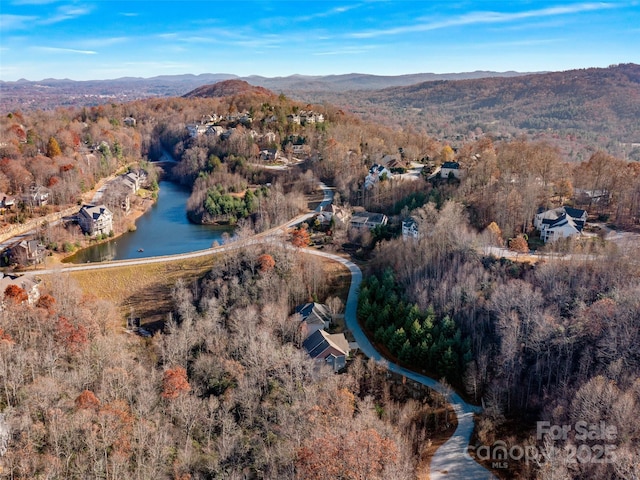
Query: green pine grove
417	338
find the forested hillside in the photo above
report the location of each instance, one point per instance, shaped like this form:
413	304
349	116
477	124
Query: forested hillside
577	109
223	393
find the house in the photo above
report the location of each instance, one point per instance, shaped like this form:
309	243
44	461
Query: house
309	117
560	222
245	118
293	118
196	129
26	252
449	169
269	155
410	228
130	122
133	180
332	348
314	316
300	148
338	214
368	220
95	220
36	196
215	130
583	196
26	282
268	137
391	161
6	202
118	195
209	119
376	172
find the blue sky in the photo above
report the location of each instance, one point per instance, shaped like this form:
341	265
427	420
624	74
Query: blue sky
85	40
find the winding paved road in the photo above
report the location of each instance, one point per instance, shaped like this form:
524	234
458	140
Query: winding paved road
451	460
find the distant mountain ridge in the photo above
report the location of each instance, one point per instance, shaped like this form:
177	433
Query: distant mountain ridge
578	109
50	93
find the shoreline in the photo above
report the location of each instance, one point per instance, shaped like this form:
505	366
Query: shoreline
128	223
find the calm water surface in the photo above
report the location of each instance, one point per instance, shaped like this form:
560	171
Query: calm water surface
163	230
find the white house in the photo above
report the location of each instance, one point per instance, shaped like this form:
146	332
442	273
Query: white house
376	173
410	228
196	129
27	282
95	220
36	196
448	168
560	222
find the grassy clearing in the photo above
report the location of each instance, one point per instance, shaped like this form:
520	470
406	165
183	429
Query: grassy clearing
144	288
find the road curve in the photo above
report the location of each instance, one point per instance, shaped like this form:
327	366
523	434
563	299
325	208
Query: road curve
451	460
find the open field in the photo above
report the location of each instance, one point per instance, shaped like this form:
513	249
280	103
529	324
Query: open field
145	290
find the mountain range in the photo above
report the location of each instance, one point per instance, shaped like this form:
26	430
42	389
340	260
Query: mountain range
50	93
579	110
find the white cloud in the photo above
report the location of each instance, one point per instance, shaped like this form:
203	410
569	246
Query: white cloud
476	18
64	13
64	50
328	13
102	42
15	22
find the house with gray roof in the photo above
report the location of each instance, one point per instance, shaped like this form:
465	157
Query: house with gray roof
333	349
561	222
314	317
28	283
26	252
6	201
95	220
410	228
450	169
368	220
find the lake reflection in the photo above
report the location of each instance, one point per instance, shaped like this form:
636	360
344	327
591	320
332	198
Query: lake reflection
163	230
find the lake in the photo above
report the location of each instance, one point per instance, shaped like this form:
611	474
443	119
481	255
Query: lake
163	230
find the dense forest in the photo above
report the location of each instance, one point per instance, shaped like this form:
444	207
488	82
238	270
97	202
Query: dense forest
221	393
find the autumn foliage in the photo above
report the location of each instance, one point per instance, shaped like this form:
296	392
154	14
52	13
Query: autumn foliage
266	263
354	455
175	383
87	400
300	237
519	244
16	294
5	338
47	302
73	337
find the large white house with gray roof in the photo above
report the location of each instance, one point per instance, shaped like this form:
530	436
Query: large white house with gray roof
561	222
95	220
